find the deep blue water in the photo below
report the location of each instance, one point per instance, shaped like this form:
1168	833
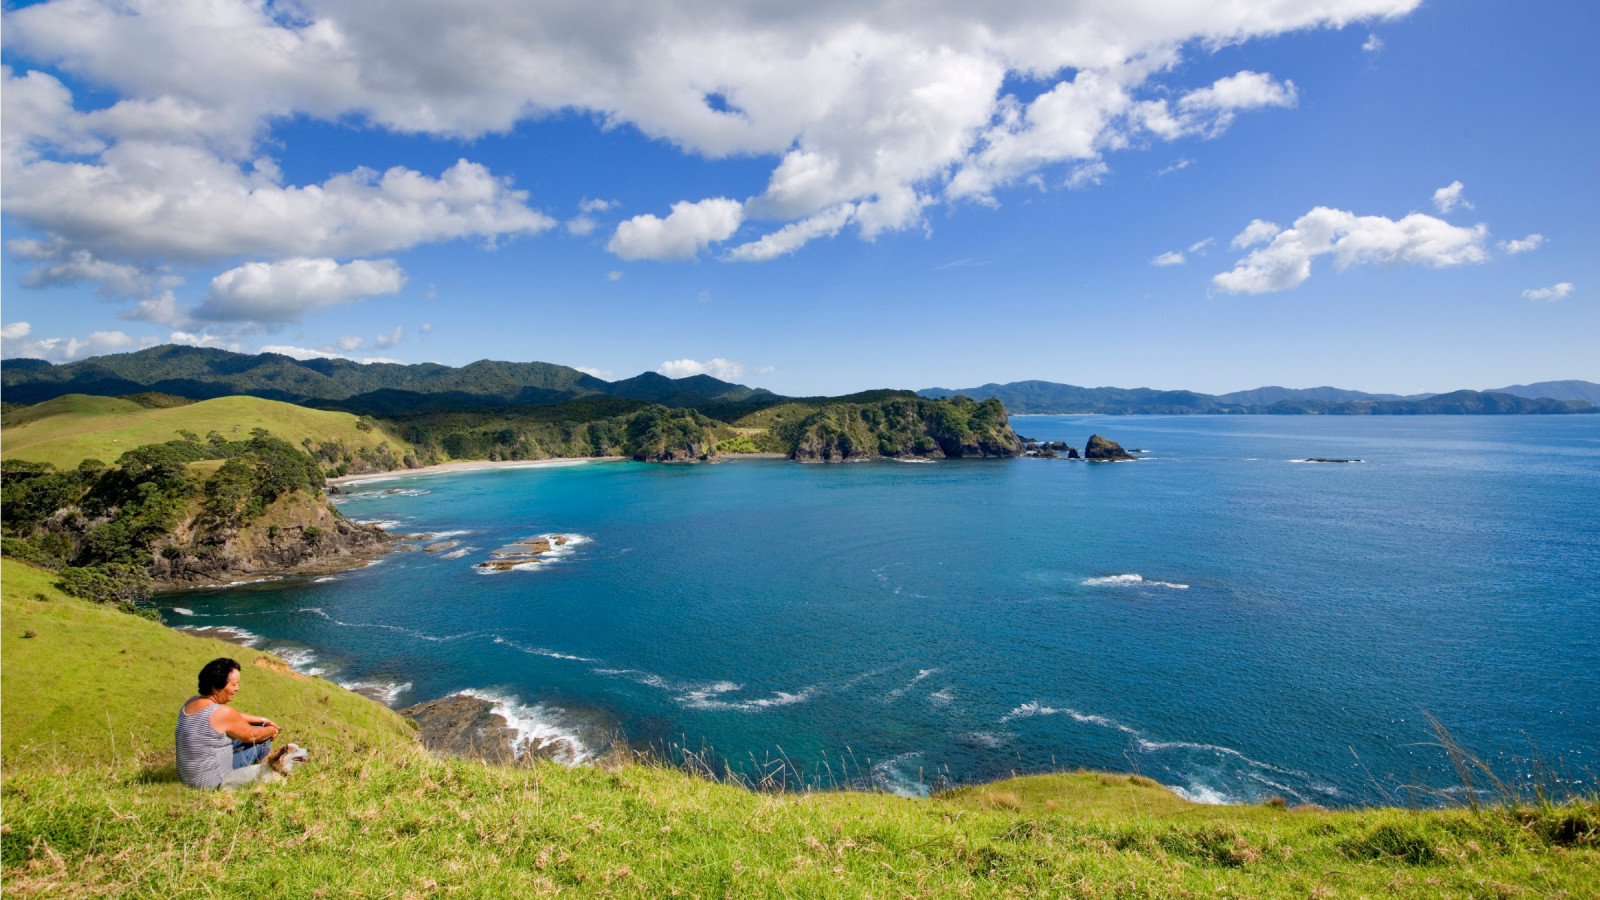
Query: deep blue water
1291	626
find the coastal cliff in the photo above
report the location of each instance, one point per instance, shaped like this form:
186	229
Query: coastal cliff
901	427
182	513
300	533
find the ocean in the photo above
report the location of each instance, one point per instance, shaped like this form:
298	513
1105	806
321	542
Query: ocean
1219	616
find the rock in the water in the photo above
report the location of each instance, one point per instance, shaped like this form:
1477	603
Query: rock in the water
1102	449
1072	453
463	727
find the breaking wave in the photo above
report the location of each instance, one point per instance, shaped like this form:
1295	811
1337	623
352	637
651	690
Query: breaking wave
1125	580
537	728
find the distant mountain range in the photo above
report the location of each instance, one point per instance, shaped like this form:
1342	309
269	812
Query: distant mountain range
397	391
1050	398
379	389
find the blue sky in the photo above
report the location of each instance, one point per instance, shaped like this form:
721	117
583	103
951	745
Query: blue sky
628	188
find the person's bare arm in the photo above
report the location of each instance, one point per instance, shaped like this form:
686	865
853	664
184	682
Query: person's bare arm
240	727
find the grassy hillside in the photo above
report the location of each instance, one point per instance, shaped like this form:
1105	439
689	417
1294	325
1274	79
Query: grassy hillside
95	685
90	809
69	429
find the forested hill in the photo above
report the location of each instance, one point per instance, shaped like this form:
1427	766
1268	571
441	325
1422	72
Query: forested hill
1050	398
382	389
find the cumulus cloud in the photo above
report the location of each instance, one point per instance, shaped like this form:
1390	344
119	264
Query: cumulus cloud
602	374
689	229
1202	246
725	369
1170	258
877	104
390	338
17	341
1373	43
1352	240
1513	247
613	275
283	292
1447	198
1551	294
1256	232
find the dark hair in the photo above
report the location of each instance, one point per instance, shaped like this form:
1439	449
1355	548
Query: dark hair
214	677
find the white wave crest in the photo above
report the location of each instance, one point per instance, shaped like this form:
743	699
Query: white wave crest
1197	792
538	728
182	612
540	651
457	554
706	695
230	633
1125	580
298	658
921	674
385	692
900	776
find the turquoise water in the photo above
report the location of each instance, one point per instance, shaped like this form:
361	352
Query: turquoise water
1219	617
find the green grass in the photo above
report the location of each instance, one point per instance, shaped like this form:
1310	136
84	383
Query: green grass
97	686
69	429
89	703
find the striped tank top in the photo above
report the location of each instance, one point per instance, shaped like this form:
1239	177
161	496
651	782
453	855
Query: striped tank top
204	754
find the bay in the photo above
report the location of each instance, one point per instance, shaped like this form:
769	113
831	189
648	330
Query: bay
1218	616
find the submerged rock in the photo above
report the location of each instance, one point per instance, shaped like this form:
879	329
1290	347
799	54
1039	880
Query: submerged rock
1101	449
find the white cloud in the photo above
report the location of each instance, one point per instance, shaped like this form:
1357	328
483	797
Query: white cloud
1373	43
1552	293
282	292
1531	242
1352	240
390	338
613	275
426	327
1179	166
795	235
198	339
725	369
886	106
683	234
1258	231
602	374
17	341
1447	198
595	206
1200	247
1170	258
304	353
582	226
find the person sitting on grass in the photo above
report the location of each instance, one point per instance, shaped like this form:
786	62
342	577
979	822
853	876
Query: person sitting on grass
213	738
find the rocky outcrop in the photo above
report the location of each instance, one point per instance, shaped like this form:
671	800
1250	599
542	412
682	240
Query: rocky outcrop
463	727
1101	449
298	534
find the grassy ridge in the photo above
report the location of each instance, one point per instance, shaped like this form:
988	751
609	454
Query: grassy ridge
89	810
69	429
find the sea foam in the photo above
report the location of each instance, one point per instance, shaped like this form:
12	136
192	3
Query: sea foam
1128	580
539	728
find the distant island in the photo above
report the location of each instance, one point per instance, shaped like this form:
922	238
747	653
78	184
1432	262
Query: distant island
1050	398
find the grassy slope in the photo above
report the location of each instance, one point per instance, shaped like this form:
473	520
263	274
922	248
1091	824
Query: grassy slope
89	808
69	429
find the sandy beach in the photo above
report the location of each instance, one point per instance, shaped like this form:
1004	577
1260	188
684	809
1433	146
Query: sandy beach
471	465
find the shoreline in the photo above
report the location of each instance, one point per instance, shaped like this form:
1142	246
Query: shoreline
470	465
